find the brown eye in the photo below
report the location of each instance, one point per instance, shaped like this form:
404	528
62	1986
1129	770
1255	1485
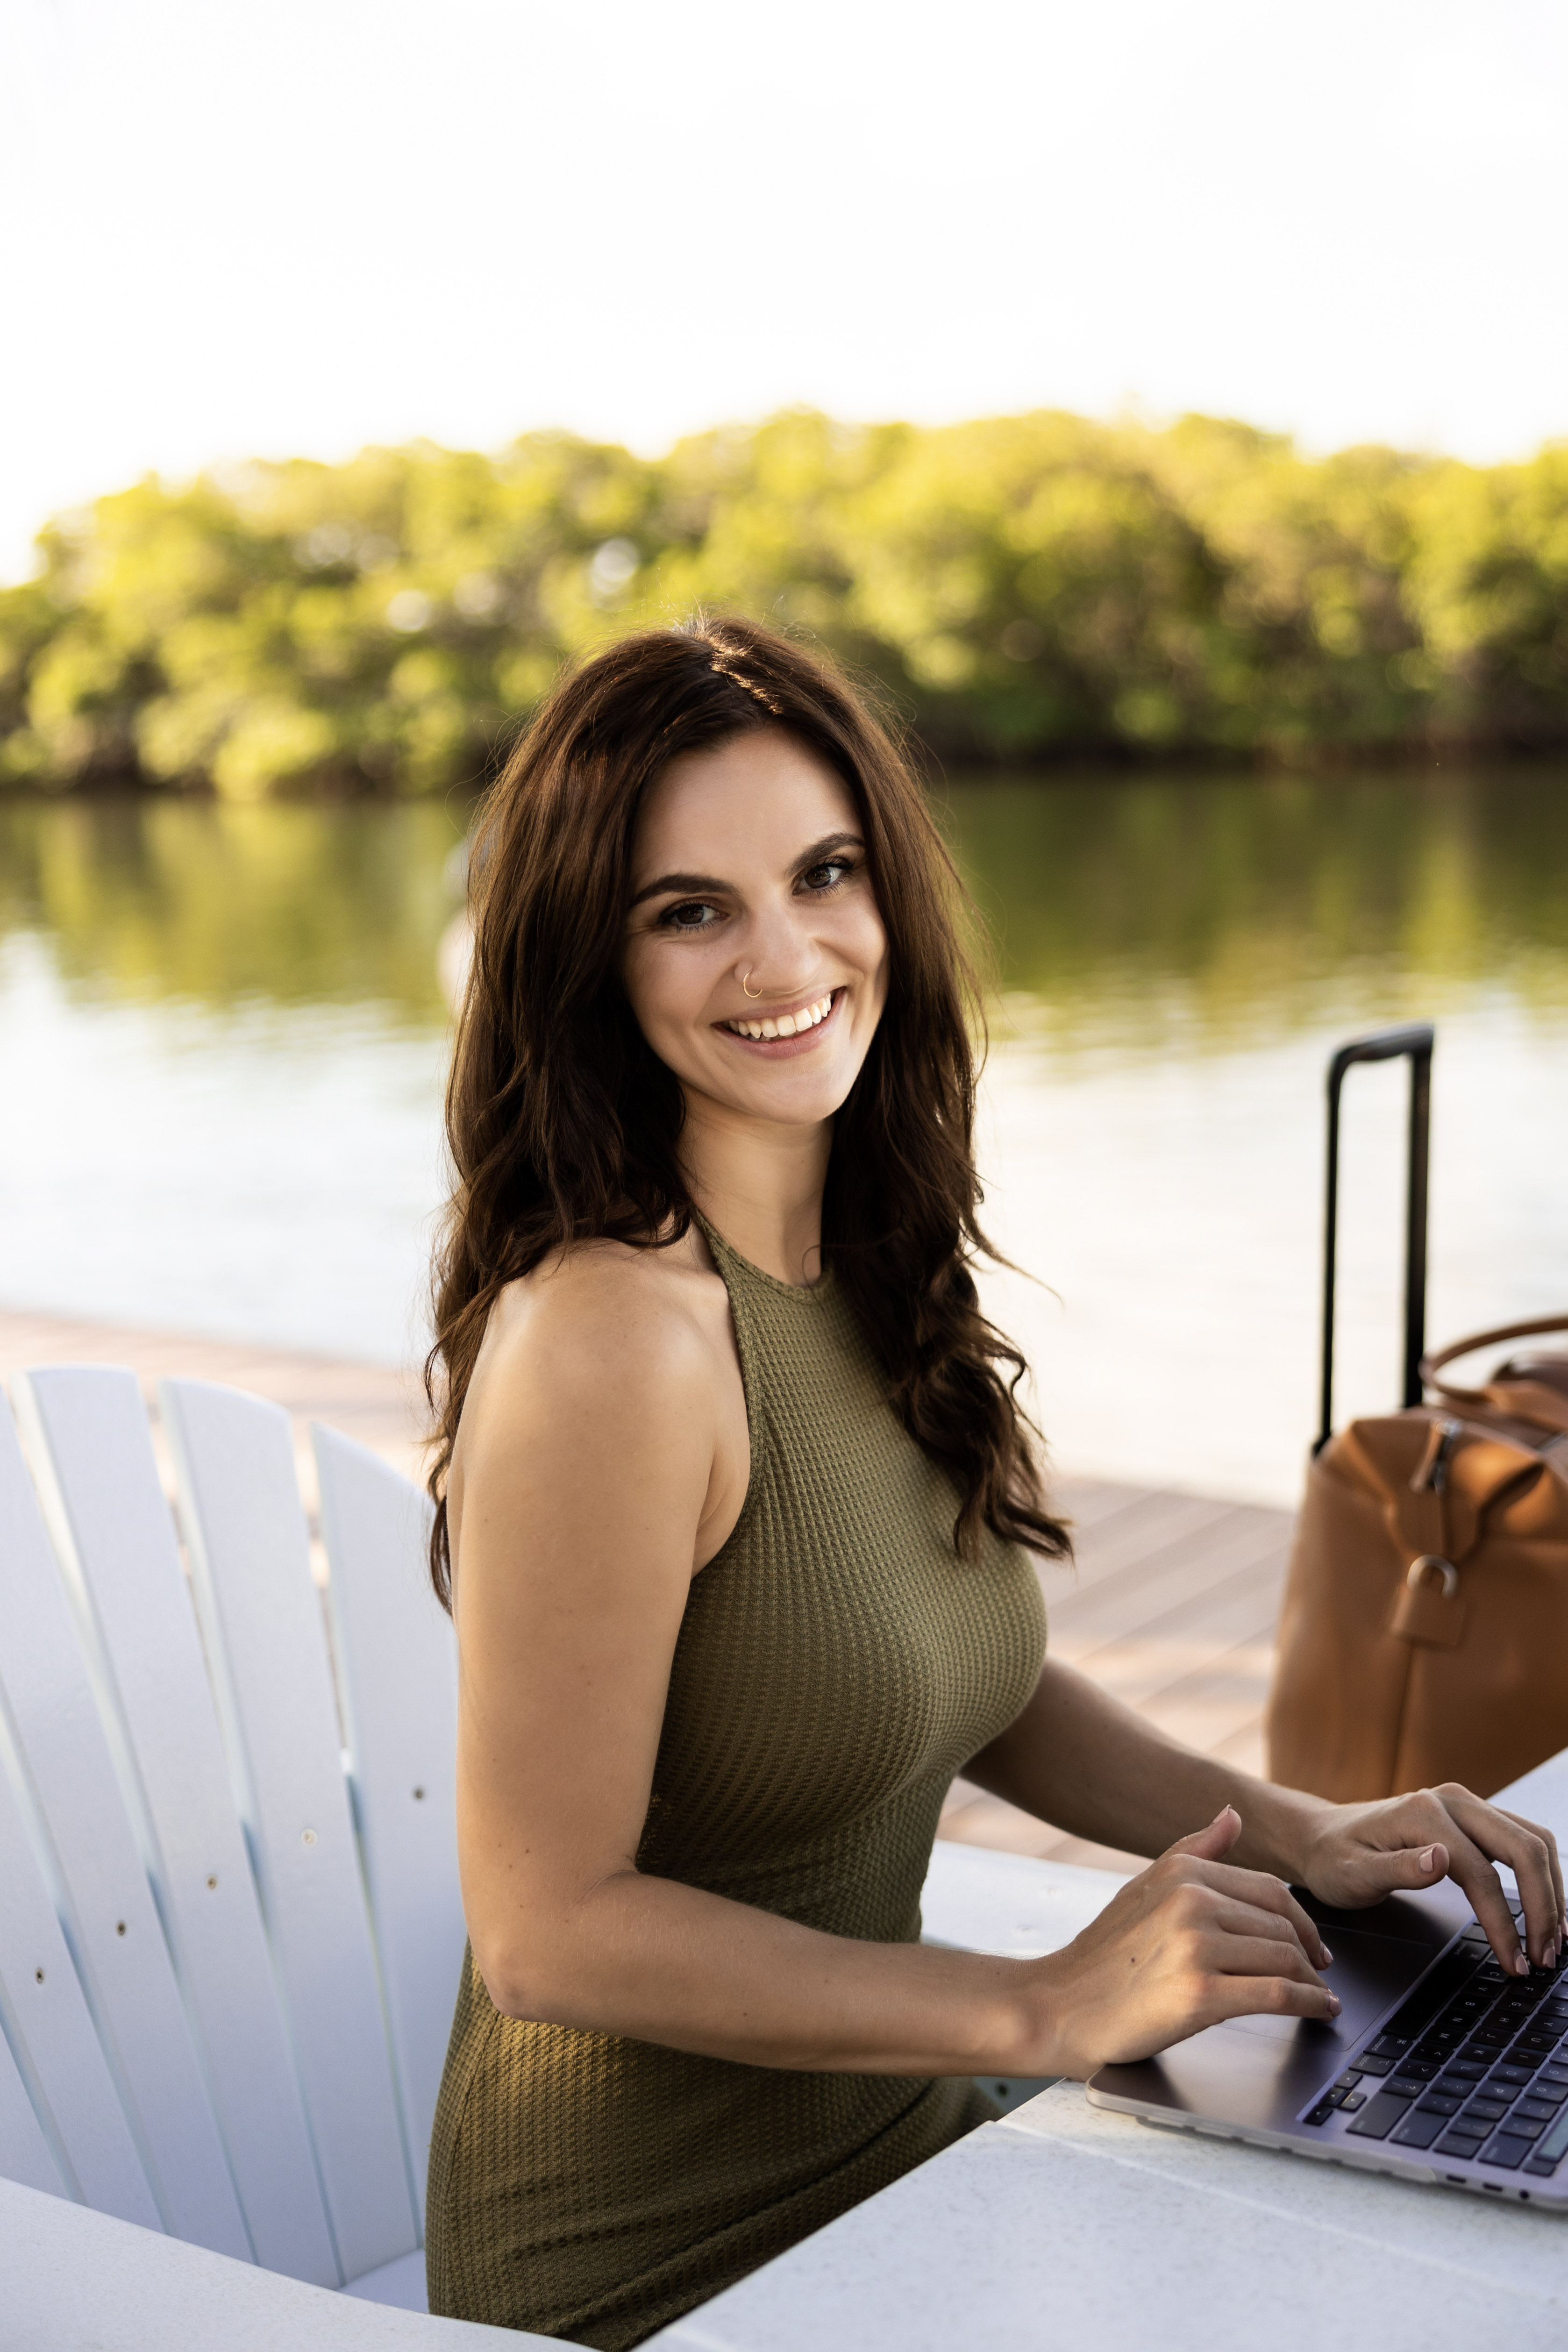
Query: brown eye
827	875
691	915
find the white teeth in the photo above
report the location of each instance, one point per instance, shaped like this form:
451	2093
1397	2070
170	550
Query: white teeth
788	1025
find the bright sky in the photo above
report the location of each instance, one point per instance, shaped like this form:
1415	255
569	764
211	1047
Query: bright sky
297	225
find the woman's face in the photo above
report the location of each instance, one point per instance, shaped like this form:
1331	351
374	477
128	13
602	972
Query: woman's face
755	958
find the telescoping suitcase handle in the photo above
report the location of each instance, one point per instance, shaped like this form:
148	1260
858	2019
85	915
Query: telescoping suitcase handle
1386	1045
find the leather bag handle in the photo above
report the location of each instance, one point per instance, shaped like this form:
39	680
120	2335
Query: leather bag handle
1432	1365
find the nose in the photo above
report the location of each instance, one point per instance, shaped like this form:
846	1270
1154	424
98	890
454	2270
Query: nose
778	959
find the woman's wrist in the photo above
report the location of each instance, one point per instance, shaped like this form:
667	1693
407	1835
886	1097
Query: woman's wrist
1280	1829
1038	2028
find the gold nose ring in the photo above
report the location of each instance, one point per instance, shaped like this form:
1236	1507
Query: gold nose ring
752	993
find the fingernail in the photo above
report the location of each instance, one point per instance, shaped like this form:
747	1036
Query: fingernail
1520	1965
1334	2003
1328	1958
1427	1857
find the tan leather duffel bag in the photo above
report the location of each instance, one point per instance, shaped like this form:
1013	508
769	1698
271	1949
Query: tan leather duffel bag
1425	1630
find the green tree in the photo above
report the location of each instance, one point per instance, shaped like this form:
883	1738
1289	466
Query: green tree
1025	587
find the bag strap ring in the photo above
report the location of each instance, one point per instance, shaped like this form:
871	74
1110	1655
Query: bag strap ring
1416	1574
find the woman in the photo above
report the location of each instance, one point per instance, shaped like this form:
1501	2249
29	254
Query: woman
732	1504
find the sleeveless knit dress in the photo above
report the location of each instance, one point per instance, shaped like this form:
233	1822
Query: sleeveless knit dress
837	1664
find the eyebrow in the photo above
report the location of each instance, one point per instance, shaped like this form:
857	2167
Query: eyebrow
692	885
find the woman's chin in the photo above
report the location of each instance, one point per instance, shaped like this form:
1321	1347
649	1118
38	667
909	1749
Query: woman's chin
782	1094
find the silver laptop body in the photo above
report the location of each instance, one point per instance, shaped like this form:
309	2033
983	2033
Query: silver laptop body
1438	2067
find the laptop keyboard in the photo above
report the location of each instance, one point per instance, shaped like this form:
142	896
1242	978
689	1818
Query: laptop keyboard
1475	2063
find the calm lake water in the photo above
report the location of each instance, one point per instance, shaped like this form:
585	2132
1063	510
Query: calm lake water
222	1042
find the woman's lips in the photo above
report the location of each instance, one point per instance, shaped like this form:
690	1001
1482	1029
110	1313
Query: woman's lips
783	1048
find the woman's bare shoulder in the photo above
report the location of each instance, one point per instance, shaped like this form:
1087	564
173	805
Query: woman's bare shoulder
606	1315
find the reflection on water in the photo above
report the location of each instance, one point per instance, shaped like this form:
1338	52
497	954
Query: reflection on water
1139	912
222	1040
226	907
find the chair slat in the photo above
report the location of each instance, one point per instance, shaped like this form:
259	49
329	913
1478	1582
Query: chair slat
116	1541
96	1875
25	2154
397	1674
47	2026
266	1639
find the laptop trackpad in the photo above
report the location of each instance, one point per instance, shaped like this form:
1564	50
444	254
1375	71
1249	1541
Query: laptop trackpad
1265	2070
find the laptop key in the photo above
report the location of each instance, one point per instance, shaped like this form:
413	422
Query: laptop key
1350	2100
1536	2111
1441	2103
1491	2111
1381	2114
1524	2127
1419	2129
1459	2143
1506	2151
1371	2065
1555	2143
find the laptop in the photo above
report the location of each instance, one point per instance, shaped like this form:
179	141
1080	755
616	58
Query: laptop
1438	2067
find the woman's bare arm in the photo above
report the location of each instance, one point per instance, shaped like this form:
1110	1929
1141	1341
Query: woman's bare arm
588	1461
1078	1758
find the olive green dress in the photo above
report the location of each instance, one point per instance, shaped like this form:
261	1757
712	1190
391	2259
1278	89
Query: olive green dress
837	1664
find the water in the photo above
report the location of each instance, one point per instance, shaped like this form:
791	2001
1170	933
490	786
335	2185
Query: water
222	1044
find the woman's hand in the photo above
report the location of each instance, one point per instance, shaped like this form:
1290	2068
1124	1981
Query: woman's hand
1358	1853
1189	1941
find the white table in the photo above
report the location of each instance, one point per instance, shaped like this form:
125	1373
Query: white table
1065	2226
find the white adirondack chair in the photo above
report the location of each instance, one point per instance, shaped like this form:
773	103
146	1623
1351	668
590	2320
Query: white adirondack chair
230	1929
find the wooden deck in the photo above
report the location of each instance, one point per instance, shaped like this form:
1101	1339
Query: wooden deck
1171	1603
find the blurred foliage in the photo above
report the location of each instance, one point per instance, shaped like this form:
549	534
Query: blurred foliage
1024	588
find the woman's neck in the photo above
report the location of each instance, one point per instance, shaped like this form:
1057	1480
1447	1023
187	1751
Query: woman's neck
761	1185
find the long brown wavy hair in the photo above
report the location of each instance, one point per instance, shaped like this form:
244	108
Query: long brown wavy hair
564	1126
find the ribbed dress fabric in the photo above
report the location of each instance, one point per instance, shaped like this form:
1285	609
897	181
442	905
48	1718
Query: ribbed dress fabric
837	1664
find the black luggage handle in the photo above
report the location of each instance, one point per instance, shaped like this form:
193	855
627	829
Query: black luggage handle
1386	1045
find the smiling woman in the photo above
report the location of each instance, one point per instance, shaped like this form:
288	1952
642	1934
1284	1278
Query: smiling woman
733	1506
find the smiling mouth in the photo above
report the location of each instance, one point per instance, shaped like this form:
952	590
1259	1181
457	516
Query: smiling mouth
772	1026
